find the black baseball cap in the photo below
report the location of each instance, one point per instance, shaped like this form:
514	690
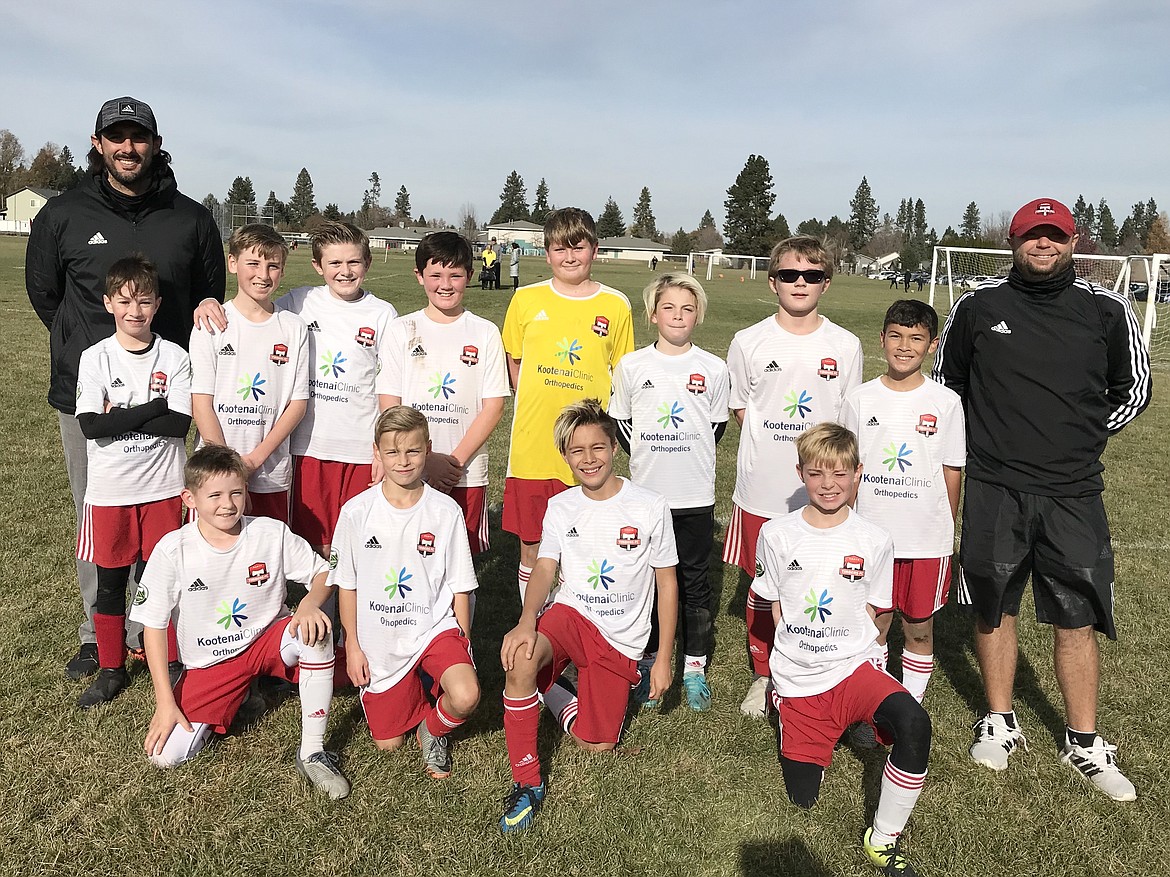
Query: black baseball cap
125	109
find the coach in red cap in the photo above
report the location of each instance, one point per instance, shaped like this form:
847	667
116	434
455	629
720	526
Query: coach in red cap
128	202
1049	366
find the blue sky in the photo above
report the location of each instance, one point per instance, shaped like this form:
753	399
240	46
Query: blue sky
994	102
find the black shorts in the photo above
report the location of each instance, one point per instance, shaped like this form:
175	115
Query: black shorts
1061	542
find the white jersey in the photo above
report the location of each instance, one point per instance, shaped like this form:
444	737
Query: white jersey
905	439
608	551
785	383
134	467
224	599
347	346
252	371
823	580
446	370
406	565
673	402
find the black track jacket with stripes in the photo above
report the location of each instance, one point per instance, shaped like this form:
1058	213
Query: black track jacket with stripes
1046	378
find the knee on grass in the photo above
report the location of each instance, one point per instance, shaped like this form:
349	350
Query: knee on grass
586	746
182	746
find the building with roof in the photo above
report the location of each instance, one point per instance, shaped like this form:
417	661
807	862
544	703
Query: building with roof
631	248
528	235
23	205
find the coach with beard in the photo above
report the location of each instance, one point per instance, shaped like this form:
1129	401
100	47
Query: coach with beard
127	203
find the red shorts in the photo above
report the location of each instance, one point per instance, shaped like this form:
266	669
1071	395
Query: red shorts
813	725
393	712
525	501
473	501
604	675
739	543
320	489
213	694
114	536
269	505
921	586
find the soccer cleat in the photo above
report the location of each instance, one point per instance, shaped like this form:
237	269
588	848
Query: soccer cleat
995	741
697	692
1098	764
755	702
322	771
889	858
108	685
83	664
436	752
520	807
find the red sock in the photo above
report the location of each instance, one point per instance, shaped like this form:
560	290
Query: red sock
110	633
440	722
761	631
172	644
521	719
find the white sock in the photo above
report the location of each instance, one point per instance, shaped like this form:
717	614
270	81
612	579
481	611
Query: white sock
900	791
916	670
523	574
695	664
562	703
316	686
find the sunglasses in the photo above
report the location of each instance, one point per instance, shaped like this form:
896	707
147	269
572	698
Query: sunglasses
790	275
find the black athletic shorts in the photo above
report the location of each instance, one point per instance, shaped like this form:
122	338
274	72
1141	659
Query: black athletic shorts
1061	542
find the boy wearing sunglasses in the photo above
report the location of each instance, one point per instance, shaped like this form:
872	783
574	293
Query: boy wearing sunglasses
788	373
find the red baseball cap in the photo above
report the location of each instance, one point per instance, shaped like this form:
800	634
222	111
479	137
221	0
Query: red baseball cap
1042	211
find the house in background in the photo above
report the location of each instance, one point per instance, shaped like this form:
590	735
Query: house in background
630	248
23	205
528	235
401	238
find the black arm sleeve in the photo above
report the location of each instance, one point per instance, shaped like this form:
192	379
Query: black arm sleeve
719	428
119	420
625	430
172	424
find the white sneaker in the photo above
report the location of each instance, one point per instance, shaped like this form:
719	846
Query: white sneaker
995	741
322	771
755	702
1098	764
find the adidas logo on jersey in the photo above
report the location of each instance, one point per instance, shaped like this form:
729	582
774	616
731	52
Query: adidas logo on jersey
227	350
314	326
795	566
97	239
572	533
197	585
873	421
1002	328
418	351
649	385
373	542
116	382
773	366
541	316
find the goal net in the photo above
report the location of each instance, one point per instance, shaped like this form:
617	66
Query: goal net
1148	291
954	270
717	262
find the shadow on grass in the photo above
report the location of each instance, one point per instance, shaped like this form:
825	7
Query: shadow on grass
779	858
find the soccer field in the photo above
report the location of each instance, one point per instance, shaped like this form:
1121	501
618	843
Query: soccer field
686	793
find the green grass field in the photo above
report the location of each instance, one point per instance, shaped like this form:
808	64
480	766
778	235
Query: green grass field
686	793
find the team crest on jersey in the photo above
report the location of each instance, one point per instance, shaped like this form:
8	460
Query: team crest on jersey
426	544
828	369
697	384
759	568
140	595
927	424
258	574
600	326
628	538
365	336
852	567
279	354
470	355
158	383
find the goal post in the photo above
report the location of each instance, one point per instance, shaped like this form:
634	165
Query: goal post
730	261
1148	291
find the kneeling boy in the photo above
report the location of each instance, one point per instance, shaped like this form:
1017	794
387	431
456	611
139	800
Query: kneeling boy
401	559
615	544
223	577
827	573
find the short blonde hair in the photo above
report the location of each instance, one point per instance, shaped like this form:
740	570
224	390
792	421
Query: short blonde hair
587	412
682	280
828	444
401	419
809	248
330	233
212	460
569	226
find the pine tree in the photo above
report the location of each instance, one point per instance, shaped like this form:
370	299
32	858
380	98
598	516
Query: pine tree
513	201
863	216
1106	225
748	225
540	206
374	193
1078	213
1158	239
240	203
780	229
970	226
331	212
68	176
301	205
212	204
919	231
402	205
708	221
274	209
680	244
812	227
644	225
611	223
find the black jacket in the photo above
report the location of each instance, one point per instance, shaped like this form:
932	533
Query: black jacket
1046	377
75	239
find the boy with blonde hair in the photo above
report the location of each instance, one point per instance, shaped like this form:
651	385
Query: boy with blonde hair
401	560
826	573
250	381
134	409
563	337
670	403
788	373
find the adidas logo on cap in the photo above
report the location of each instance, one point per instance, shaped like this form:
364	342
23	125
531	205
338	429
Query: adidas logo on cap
873	421
773	366
795	566
98	239
572	532
227	350
418	351
197	585
373	542
117	382
540	316
314	327
649	385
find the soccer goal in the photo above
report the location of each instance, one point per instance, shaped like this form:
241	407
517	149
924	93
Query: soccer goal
729	261
957	269
1148	290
